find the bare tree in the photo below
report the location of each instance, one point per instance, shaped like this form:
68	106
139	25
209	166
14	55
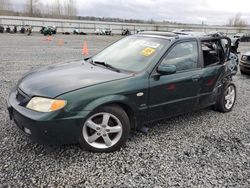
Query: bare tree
237	21
5	7
32	7
58	8
29	7
70	9
37	8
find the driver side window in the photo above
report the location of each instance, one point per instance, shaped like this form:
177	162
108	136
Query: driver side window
184	56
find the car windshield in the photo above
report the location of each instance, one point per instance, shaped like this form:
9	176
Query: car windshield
132	53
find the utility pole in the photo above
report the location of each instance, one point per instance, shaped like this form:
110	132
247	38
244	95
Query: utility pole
31	7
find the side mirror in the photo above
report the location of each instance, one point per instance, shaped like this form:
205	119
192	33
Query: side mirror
166	69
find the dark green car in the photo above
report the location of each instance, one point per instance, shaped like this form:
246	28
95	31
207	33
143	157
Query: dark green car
140	78
48	30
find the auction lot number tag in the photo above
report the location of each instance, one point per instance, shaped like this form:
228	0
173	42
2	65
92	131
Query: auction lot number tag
147	51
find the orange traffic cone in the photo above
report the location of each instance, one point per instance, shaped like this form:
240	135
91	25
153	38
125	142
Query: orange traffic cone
85	50
60	42
49	38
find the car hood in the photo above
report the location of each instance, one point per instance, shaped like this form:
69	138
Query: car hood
52	81
246	53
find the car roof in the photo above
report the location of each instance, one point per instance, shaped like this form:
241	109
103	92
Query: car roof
179	35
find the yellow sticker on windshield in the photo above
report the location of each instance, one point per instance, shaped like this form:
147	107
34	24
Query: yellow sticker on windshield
147	51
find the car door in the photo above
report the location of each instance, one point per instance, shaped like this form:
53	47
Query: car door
214	54
177	93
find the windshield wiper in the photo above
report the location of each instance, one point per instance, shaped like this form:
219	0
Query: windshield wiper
106	65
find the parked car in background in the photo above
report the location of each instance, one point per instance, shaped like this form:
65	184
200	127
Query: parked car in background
244	37
98	31
42	29
66	33
108	31
190	33
139	30
140	78
218	33
245	63
48	30
54	30
23	30
1	29
77	32
8	30
15	29
182	30
126	32
103	31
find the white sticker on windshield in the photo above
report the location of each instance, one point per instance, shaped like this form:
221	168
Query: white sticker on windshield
150	44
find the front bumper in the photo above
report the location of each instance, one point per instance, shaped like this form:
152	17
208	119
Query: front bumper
245	67
55	128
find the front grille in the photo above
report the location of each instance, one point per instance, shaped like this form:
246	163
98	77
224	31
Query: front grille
21	97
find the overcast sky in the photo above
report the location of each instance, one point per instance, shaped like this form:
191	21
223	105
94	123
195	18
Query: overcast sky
185	11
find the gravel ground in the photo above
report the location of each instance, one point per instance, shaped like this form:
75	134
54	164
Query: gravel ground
199	149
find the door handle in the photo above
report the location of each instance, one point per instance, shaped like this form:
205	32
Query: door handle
196	78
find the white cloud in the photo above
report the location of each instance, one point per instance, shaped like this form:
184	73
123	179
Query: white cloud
211	11
189	11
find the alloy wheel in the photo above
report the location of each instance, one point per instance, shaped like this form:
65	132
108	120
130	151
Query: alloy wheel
102	130
229	97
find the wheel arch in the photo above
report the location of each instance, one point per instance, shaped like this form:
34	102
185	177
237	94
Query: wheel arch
128	110
116	100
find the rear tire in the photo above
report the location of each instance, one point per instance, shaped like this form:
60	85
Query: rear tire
105	130
226	100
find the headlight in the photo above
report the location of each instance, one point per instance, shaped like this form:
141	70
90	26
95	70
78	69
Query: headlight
244	58
45	105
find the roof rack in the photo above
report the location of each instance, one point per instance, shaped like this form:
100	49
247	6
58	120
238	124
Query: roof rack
165	34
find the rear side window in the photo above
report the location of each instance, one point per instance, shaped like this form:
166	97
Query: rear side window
184	56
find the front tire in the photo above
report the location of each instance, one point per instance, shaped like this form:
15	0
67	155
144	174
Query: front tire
105	130
227	98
